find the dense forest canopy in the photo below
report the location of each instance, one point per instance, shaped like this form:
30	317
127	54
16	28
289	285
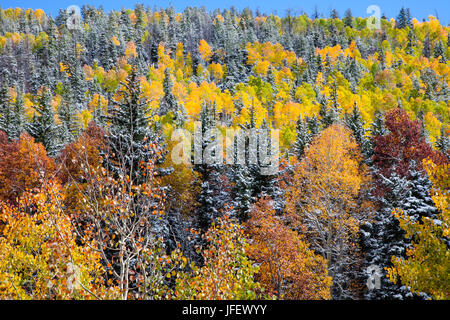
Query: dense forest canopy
95	205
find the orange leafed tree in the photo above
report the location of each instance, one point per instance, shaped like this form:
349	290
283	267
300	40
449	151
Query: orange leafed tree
24	165
85	151
289	268
79	164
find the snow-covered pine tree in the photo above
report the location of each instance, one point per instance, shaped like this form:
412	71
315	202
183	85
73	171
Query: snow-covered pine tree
419	204
266	182
168	102
50	56
180	116
6	112
43	127
401	22
355	123
323	110
354	71
131	140
330	114
409	18
383	238
411	42
270	78
70	126
378	128
18	116
426	51
303	138
443	142
440	52
213	196
242	190
77	82
313	125
444	93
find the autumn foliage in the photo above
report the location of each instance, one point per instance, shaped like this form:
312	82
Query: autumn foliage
95	204
227	273
427	265
403	143
24	166
324	200
41	256
289	268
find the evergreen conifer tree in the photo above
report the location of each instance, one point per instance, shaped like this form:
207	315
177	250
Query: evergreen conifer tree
43	126
383	239
443	142
426	52
303	138
401	21
6	113
131	140
69	123
313	125
212	197
440	51
168	102
355	123
348	18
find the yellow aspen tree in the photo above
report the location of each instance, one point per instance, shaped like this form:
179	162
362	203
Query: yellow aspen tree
324	202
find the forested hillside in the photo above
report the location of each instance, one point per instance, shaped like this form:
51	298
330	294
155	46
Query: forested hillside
102	196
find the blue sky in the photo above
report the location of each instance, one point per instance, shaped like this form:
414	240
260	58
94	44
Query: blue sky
419	8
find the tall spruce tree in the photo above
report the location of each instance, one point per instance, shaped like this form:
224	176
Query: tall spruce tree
18	121
313	125
131	139
378	127
330	114
43	126
208	163
6	112
383	238
348	18
411	42
266	176
426	52
303	138
443	142
168	102
401	21
355	123
440	52
240	176
69	123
